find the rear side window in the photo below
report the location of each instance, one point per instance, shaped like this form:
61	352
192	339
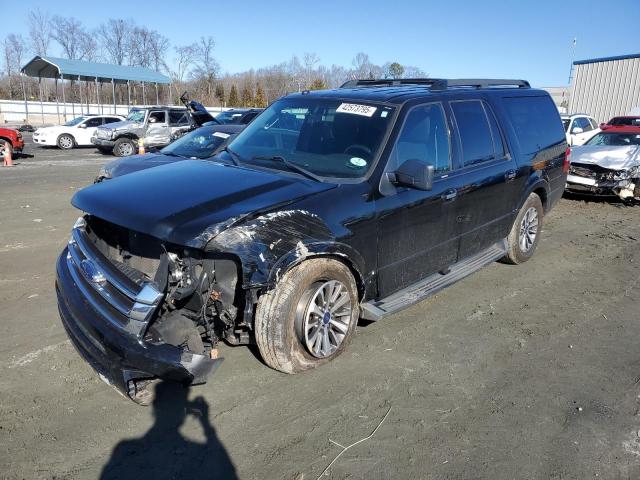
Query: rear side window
475	132
536	122
425	137
178	118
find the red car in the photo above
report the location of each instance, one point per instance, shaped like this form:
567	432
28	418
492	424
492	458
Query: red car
10	138
621	122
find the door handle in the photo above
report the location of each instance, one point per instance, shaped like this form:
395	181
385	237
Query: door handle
510	175
450	195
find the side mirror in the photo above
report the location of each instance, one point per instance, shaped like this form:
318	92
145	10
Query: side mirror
575	130
82	125
415	174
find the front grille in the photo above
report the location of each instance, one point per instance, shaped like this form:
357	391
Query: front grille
583	172
127	302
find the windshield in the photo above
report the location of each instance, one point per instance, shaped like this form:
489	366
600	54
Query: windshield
229	117
565	123
136	116
615	139
200	143
326	137
74	122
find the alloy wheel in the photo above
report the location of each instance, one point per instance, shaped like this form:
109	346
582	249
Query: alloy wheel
528	229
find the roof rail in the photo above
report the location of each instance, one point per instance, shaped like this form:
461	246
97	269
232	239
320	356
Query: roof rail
438	83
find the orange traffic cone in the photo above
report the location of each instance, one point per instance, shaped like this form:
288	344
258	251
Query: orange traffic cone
141	147
8	160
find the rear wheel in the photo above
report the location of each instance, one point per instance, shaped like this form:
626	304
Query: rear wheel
124	147
309	317
525	232
65	142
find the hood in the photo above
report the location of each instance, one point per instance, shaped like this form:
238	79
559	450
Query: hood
121	125
135	163
179	201
611	157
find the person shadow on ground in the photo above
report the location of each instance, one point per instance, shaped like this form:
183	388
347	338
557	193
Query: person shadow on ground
163	453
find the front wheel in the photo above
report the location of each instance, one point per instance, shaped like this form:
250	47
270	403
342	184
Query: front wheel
525	232
65	142
124	147
5	149
309	317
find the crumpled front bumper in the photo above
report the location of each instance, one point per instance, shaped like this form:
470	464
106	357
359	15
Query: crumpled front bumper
619	188
101	142
120	358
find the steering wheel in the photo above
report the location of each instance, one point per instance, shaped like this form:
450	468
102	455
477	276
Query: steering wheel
357	148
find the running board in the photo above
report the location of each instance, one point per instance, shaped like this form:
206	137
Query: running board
378	309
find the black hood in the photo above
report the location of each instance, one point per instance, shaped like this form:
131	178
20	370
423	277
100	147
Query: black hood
125	165
179	201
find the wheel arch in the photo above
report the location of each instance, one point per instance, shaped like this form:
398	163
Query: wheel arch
7	139
540	187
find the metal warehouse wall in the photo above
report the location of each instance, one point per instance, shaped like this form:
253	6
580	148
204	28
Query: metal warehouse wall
607	88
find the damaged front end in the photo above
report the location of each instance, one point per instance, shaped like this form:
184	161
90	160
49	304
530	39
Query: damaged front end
598	180
138	309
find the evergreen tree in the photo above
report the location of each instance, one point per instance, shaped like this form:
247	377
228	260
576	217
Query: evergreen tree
317	84
220	93
234	101
260	101
247	97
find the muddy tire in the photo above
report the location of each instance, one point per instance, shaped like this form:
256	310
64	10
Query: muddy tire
309	318
124	147
525	232
66	142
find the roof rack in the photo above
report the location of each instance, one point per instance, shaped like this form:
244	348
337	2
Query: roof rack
438	83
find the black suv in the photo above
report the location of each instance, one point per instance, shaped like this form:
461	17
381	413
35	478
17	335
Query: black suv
329	207
238	116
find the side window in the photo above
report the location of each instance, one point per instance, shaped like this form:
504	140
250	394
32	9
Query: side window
583	123
248	117
498	141
177	117
593	123
159	117
536	122
425	137
111	120
475	133
93	122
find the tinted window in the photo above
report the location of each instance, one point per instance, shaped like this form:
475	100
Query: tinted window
536	122
158	116
200	143
498	142
93	122
425	137
178	118
111	120
583	123
475	133
248	117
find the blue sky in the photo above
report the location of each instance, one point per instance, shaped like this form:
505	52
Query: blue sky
480	38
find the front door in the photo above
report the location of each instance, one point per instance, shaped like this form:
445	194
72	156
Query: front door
157	129
86	129
417	229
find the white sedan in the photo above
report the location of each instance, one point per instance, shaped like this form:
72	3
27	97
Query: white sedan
76	132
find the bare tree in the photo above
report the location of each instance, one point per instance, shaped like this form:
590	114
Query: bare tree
14	49
114	35
207	66
361	65
184	60
76	42
309	60
40	31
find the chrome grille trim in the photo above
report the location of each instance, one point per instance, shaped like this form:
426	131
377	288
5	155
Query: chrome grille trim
105	287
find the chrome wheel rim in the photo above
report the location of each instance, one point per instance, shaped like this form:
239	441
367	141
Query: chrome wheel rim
125	149
65	142
327	319
528	229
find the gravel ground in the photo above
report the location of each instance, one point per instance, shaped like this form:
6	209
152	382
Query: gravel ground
516	372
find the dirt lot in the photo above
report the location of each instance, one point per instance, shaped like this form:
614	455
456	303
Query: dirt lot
516	372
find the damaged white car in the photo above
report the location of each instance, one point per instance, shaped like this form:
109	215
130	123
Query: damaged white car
608	164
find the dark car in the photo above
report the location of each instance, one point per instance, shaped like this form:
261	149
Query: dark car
202	143
331	206
26	128
622	122
238	116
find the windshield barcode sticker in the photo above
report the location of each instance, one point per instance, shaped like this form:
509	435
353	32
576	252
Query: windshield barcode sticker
221	134
364	110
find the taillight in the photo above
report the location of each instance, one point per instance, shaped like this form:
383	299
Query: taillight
567	160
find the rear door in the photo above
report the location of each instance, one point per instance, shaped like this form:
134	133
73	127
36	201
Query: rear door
489	178
417	229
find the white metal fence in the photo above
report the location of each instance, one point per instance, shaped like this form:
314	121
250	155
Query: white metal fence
52	113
